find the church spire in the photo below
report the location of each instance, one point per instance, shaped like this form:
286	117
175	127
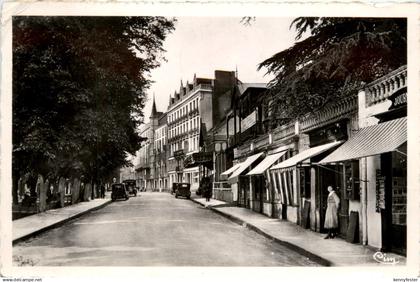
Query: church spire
154	111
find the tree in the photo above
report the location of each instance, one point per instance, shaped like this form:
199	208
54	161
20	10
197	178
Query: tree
79	87
335	59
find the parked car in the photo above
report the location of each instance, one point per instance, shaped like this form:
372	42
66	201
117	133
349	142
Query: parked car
183	190
130	184
119	191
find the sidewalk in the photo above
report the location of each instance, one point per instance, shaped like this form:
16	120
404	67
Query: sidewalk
26	227
331	252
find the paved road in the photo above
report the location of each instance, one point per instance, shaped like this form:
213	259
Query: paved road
154	229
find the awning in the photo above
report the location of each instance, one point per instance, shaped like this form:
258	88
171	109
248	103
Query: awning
266	163
307	154
372	140
245	164
231	170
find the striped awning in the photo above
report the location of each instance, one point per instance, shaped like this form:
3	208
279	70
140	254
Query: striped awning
266	163
307	154
245	164
231	170
372	140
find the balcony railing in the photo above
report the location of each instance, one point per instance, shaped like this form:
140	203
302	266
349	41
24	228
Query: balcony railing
329	114
284	131
379	90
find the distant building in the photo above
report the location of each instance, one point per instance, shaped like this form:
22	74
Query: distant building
148	163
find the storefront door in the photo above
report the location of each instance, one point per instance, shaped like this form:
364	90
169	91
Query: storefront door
330	175
243	194
394	216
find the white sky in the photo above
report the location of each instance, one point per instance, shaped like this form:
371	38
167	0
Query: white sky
203	45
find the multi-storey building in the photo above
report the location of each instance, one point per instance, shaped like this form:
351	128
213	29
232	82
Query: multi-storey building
148	165
191	112
185	113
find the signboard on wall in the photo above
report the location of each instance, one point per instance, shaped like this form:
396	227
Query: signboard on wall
249	121
380	191
235	153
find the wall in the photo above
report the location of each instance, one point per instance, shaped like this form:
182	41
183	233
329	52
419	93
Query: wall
368	171
206	110
234	187
222	91
292	214
374	227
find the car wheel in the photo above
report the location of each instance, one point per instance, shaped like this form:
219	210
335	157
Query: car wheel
176	195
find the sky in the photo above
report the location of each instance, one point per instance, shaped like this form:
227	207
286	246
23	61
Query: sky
202	45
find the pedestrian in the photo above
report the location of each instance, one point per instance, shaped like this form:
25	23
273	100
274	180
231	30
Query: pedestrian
331	218
207	191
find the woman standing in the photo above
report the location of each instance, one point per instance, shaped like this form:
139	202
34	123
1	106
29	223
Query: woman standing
331	218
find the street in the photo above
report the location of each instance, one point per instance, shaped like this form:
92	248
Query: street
154	229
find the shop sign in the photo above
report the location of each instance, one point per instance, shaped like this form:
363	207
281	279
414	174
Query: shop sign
380	191
249	121
399	99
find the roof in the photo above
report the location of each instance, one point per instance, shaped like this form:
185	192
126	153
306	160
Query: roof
162	119
243	87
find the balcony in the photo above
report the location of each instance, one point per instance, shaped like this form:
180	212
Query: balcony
379	90
194	112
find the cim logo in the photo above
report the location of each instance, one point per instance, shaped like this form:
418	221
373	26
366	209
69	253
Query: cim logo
384	258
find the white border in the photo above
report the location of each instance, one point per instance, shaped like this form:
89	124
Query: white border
216	10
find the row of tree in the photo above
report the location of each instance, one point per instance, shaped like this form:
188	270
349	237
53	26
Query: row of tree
332	58
78	92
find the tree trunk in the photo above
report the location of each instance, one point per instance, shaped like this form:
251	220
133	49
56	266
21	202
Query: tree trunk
42	191
15	185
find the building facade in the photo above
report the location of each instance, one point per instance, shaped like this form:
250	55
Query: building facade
284	172
150	159
185	113
192	112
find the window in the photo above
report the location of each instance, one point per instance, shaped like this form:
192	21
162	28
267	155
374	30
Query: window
352	180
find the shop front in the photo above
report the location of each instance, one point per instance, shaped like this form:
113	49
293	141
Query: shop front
305	209
381	151
260	180
242	182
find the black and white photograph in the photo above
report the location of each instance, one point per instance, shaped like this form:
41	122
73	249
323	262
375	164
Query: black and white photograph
166	140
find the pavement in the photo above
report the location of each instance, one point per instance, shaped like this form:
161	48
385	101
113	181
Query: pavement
32	225
331	252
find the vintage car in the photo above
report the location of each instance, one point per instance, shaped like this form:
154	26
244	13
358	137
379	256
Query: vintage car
182	189
130	184
119	191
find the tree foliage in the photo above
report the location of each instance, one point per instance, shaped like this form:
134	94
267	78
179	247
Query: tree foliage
335	58
79	90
